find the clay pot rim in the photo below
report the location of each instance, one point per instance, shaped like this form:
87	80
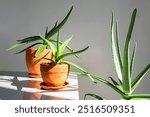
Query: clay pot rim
47	64
34	48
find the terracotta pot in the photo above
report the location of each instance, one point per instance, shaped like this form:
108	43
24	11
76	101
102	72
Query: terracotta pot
54	75
34	68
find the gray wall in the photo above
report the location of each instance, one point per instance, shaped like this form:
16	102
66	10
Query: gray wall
90	25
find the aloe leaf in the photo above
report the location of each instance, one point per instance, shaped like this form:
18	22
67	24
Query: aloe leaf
93	95
75	66
46	31
120	81
84	72
52	46
116	56
139	77
51	29
139	96
132	60
30	39
71	53
116	83
28	48
40	50
108	84
69	48
113	81
64	45
117	46
126	84
58	46
54	30
16	45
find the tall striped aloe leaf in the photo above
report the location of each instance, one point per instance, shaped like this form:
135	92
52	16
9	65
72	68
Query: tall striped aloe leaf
126	84
117	46
132	60
116	51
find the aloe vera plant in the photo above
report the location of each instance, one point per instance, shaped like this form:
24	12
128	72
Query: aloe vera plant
38	40
126	83
58	51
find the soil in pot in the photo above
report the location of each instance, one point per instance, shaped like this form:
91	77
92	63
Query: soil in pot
54	75
32	67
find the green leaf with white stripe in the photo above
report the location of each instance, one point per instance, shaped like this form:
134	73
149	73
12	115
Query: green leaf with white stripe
64	45
126	84
52	46
116	56
132	60
139	77
40	50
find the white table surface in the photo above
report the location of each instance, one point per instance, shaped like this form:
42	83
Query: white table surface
18	86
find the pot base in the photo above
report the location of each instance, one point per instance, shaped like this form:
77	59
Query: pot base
34	75
44	86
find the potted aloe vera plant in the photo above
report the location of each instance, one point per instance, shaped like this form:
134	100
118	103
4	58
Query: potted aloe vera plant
33	54
55	73
126	83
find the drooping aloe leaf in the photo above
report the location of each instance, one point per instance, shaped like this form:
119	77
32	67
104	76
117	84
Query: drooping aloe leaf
54	30
75	66
30	39
116	56
64	45
52	46
139	77
16	45
126	84
132	60
28	48
93	95
40	50
84	72
71	53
